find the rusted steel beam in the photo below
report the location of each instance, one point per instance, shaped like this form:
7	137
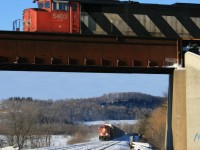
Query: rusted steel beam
82	50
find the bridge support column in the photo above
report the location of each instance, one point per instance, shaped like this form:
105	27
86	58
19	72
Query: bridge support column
192	65
179	110
186	105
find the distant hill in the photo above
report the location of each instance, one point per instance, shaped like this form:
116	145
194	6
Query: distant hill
112	106
131	100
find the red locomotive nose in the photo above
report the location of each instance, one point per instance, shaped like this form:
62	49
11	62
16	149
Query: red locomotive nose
103	131
53	16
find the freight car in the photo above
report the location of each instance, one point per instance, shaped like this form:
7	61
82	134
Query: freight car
109	131
112	17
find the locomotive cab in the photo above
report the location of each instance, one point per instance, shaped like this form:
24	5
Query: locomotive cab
58	16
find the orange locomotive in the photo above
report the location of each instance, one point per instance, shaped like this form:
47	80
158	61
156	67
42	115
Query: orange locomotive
53	16
109	131
105	132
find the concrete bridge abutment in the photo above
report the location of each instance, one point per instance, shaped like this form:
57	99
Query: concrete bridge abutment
186	105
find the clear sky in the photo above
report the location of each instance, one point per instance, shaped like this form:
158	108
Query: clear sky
71	85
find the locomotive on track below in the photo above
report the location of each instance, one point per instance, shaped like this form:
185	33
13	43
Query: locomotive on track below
109	131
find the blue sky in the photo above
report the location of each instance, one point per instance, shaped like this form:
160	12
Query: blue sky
43	85
77	85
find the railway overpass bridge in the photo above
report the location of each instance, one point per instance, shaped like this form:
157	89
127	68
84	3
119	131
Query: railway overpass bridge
75	53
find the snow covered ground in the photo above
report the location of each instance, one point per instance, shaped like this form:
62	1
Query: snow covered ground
8	148
116	144
60	142
92	123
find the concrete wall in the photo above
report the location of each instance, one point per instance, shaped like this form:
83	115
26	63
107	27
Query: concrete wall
179	110
192	65
186	105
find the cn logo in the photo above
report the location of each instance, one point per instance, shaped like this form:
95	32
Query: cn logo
197	137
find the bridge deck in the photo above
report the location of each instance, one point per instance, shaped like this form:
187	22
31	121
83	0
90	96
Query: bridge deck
60	52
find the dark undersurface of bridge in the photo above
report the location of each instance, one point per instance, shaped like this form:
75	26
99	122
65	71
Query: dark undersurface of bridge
86	69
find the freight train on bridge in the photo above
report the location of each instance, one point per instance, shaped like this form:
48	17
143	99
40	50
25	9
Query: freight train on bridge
113	17
104	33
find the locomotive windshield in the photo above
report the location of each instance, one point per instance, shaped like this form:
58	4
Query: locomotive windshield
40	5
44	5
47	4
60	5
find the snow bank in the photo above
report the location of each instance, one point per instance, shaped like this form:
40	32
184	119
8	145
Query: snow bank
92	123
60	140
8	148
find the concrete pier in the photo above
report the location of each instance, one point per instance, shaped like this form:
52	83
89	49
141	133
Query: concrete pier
186	105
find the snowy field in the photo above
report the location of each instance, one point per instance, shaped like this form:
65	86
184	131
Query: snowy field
115	144
60	142
115	122
56	141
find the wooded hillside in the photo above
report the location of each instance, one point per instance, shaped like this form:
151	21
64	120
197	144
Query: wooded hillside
113	106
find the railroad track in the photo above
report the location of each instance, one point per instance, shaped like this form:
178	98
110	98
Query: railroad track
96	145
110	145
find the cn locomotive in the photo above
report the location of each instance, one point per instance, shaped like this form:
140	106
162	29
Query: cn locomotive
112	17
109	131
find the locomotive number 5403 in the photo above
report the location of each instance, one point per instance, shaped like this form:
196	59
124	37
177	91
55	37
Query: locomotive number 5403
59	16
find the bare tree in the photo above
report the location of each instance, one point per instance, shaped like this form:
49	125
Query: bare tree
21	118
156	128
142	116
50	116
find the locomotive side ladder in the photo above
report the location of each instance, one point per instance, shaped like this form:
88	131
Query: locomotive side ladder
74	17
